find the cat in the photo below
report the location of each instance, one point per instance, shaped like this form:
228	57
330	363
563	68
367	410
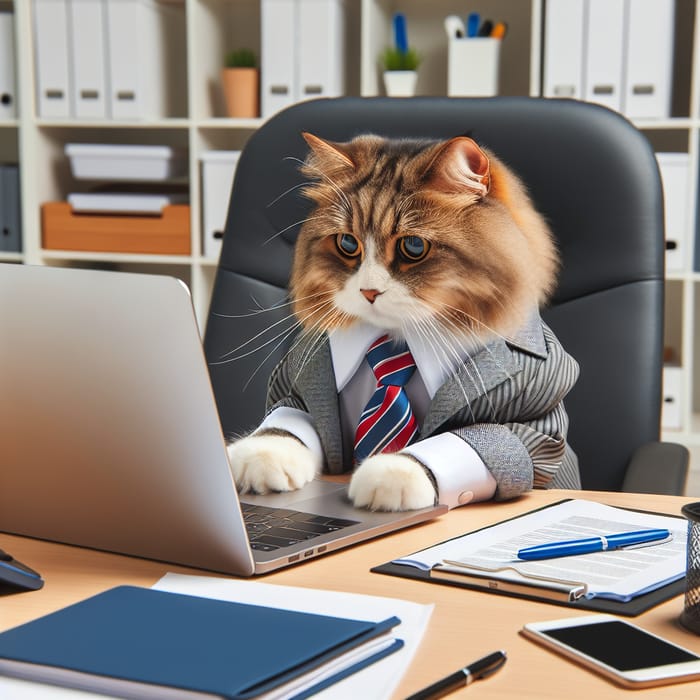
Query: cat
437	243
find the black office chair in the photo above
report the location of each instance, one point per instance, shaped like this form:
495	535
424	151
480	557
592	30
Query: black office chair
591	173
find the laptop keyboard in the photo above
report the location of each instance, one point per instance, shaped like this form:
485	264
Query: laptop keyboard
272	528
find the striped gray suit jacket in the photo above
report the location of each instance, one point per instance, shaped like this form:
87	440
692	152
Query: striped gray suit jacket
506	401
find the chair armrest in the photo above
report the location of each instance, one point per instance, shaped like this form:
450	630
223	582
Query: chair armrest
657	467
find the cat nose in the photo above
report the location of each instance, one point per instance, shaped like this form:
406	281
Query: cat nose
371	294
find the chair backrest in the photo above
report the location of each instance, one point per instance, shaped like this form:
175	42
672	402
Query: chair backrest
590	172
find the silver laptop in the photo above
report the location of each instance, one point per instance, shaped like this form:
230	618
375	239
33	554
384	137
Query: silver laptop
110	437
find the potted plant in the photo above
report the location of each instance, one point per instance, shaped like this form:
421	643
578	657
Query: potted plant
240	81
400	71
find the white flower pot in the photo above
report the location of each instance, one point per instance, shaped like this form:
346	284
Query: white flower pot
400	83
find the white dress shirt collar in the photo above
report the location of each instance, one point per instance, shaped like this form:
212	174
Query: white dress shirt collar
349	347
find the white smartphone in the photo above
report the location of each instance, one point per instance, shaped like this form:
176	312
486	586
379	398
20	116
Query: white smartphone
617	649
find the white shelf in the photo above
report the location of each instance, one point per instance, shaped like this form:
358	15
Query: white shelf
212	27
228	123
174	123
130	258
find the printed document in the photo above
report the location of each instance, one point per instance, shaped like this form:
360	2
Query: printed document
615	574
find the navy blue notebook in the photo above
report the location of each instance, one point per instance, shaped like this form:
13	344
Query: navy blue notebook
145	643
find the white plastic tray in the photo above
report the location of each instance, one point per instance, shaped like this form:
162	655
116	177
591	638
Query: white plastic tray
123	203
101	161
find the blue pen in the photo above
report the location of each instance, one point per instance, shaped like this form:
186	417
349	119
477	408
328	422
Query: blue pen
473	23
400	33
600	543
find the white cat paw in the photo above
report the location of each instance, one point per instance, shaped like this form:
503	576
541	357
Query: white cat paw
391	482
264	463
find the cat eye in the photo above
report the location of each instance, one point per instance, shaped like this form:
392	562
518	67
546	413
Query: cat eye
413	248
348	245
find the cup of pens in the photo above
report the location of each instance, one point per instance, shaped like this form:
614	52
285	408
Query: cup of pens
690	617
473	56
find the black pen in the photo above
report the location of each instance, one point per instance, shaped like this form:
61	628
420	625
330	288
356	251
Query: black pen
473	672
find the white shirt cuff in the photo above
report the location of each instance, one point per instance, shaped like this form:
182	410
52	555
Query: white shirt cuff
461	475
296	422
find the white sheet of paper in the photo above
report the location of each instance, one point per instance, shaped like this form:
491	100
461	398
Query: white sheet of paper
377	681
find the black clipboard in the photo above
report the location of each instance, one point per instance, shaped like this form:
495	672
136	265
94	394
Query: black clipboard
634	607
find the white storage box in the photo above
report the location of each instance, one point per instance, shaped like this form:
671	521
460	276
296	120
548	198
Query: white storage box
671	417
101	161
218	169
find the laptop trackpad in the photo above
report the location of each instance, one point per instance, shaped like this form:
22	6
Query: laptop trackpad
318	488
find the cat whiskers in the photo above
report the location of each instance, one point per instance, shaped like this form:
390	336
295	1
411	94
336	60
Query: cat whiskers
456	313
227	357
299	185
295	344
282	338
449	322
315	336
265	309
444	353
323	176
458	338
301	222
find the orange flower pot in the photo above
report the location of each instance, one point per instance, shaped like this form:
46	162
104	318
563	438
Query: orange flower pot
241	91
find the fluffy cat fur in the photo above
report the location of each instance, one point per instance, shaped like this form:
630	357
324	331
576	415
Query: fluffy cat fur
490	263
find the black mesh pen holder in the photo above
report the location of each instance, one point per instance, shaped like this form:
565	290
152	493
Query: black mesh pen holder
690	618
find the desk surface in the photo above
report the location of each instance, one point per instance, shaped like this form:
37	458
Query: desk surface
464	626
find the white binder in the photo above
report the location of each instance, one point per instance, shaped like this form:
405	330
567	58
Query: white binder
649	61
604	52
278	71
51	58
303	51
563	49
218	171
673	383
675	174
321	49
143	60
8	90
88	58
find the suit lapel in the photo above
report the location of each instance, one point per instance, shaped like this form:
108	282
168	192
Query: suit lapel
313	378
494	364
479	374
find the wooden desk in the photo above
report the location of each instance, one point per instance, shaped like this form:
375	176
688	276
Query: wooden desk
464	626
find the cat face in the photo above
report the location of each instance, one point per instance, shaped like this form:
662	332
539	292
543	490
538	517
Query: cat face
414	233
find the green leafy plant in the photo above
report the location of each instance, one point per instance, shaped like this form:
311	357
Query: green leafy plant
240	58
394	59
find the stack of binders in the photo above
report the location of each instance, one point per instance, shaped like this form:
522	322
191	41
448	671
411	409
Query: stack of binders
106	59
303	51
8	95
618	53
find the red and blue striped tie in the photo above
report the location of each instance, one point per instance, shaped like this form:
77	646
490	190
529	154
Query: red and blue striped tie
387	424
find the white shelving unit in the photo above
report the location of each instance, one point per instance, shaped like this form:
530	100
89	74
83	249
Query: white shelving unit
211	27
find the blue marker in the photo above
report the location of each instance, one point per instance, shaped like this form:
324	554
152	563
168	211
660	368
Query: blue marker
400	34
473	23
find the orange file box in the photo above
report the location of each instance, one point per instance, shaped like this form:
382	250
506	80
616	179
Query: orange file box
168	234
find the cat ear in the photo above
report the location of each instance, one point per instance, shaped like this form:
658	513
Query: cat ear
329	152
460	164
